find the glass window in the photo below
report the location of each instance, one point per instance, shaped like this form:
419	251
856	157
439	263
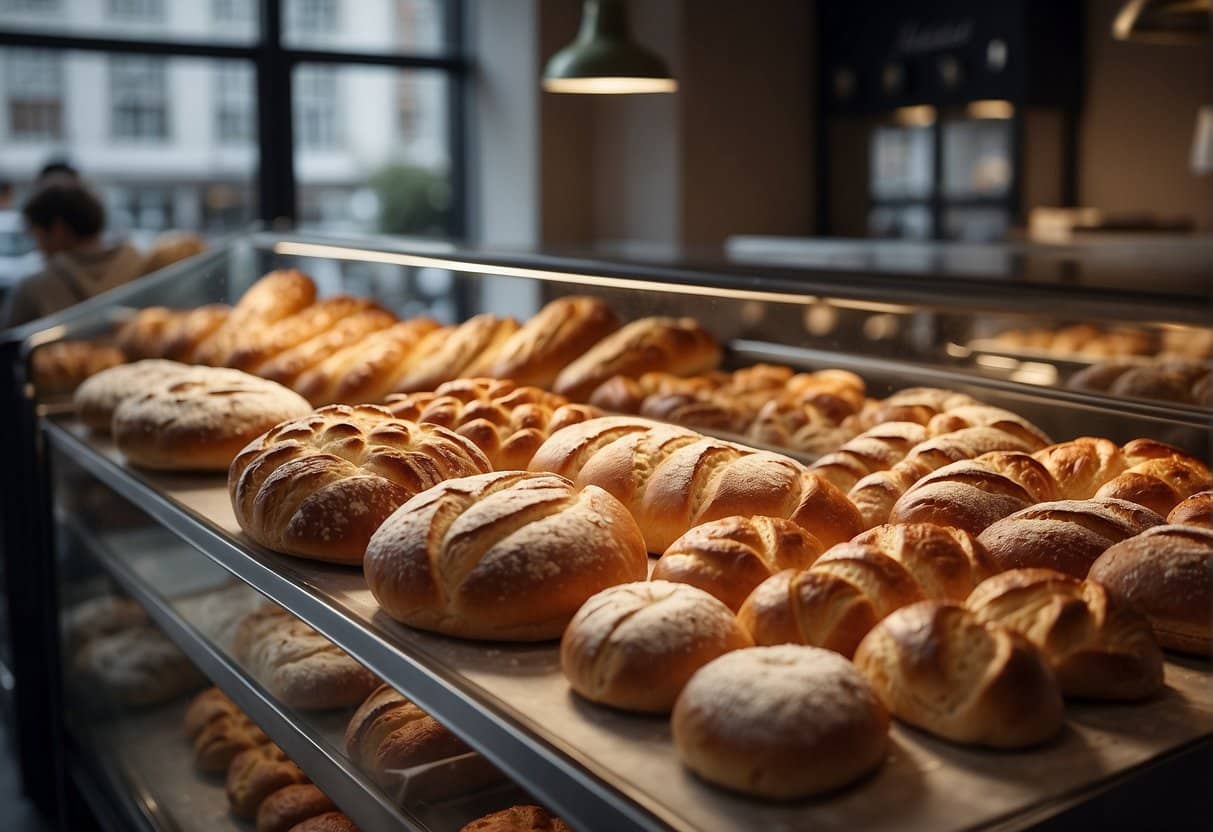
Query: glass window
311	19
317	116
394	26
224	21
902	163
234	105
140	10
139	98
977	158
33	83
29	6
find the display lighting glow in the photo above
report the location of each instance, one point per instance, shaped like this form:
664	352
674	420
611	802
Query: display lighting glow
990	108
920	115
610	85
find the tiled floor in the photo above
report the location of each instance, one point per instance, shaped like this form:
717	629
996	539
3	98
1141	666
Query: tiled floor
16	813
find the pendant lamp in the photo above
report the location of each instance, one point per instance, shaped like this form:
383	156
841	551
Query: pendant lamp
604	59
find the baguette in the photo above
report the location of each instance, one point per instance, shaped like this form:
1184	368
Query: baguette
275	296
293	330
287	366
448	356
365	371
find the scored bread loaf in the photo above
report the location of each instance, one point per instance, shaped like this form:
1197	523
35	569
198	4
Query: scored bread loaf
452	353
1064	535
1159	476
558	334
200	419
257	773
1099	646
672	479
1082	465
145	334
914	404
366	370
98	397
634	646
289	365
389	733
877	449
1167	571
508	556
319	486
727	558
675	345
984	416
837	393
973	493
506	421
936	666
780	722
525	818
707	410
191	331
275	296
299	666
291	805
293	330
61	366
1196	510
798	426
836	601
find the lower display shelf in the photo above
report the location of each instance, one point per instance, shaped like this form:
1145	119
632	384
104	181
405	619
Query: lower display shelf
601	768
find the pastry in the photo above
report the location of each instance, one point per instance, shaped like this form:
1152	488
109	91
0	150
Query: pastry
257	773
1159	476
518	819
1082	465
98	397
222	739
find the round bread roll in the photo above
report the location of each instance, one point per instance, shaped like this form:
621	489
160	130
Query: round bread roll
256	774
1167	571
145	334
634	646
508	556
518	819
1099	646
1064	535
727	558
328	822
780	722
98	396
917	404
1158	482
319	486
136	667
292	805
199	420
1196	510
936	666
389	733
1082	465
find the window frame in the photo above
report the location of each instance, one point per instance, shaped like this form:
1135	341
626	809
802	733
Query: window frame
51	99
273	64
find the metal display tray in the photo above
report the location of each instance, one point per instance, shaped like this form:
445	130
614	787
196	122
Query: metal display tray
603	769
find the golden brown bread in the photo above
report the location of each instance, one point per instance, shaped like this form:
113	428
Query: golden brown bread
171	247
257	773
1082	465
98	397
145	334
319	486
508	556
1159	476
328	822
672	479
836	393
635	645
275	296
973	493
270	341
675	345
191	331
389	733
289	365
1196	510
61	366
1099	646
727	558
1064	535
798	426
224	737
781	722
877	449
366	370
559	333
209	705
915	404
1167	571
518	819
449	355
937	667
291	805
697	410
980	415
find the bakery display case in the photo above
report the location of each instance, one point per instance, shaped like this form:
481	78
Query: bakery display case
170	546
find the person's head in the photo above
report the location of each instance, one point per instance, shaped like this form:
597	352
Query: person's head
63	214
57	168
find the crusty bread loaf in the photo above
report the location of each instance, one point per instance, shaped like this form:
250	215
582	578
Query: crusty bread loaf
1082	465
299	666
145	334
327	822
289	365
1099	646
257	773
451	356
189	333
980	415
292	805
319	486
709	411
780	722
727	558
388	733
366	370
836	393
508	556
877	449
1196	510
518	819
1159	476
200	419
101	616
936	666
634	646
557	335
98	397
275	296
915	404
293	330
798	426
973	493
1167	571
835	602
1064	535
506	421
672	479
675	345
222	739
60	367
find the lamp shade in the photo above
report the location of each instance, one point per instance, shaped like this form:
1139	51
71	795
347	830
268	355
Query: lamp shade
604	58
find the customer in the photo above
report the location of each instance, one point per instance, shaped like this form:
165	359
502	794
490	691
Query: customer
66	221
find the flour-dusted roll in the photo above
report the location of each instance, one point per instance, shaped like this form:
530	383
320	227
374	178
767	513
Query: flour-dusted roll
277	295
256	774
389	733
508	556
98	397
292	805
1167	571
1196	510
189	334
289	365
1064	535
675	345
367	370
634	646
937	667
293	330
135	667
319	486
199	420
299	666
727	558
877	449
451	355
1100	646
782	722
672	479
974	493
557	335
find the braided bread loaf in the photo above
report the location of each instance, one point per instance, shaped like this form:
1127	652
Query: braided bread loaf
672	479
319	486
506	421
936	666
508	556
1100	647
837	600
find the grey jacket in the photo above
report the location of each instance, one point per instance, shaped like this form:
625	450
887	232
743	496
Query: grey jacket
68	278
